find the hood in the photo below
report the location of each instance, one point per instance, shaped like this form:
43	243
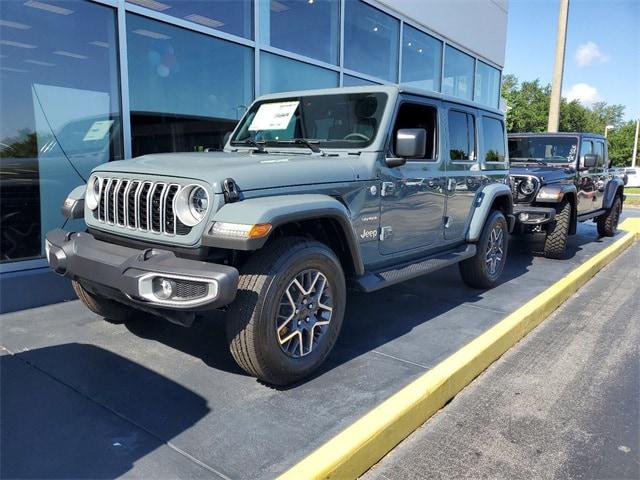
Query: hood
546	174
251	171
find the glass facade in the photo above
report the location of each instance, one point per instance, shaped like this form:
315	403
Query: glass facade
487	90
59	113
421	59
84	82
458	74
371	41
281	74
310	28
180	98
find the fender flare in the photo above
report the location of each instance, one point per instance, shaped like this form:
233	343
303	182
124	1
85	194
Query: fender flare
279	210
482	206
611	190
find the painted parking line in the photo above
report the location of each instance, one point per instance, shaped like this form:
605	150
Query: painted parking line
358	447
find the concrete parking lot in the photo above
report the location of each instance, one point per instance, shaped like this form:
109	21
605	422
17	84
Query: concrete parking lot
84	398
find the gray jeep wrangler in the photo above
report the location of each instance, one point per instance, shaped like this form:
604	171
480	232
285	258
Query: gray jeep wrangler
314	191
560	179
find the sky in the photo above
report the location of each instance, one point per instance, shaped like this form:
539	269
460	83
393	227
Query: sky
602	59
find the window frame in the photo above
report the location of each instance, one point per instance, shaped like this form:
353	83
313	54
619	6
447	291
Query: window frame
474	115
424	102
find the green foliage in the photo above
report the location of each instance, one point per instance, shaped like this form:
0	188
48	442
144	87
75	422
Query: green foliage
528	111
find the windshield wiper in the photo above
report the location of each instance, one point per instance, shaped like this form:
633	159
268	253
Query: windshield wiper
529	160
253	143
312	145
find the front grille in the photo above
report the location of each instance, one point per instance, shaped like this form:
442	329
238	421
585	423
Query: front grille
140	205
518	196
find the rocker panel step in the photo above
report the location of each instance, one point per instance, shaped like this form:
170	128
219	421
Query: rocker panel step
372	281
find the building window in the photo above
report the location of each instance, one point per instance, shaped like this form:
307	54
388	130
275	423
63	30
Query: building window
462	136
421	60
371	41
59	114
487	89
351	81
458	74
280	74
493	139
309	28
186	89
231	16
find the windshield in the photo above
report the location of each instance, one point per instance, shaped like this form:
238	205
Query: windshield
546	149
346	120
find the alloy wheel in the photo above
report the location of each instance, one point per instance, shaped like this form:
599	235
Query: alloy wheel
495	250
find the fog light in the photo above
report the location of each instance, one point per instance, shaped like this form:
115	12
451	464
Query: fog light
524	216
163	288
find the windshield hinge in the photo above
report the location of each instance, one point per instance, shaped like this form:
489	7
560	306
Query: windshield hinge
230	190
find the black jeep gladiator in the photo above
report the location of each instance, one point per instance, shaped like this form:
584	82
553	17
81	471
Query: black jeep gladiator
560	179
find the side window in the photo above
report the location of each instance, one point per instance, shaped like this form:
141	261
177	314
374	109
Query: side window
599	150
462	136
586	147
414	115
493	139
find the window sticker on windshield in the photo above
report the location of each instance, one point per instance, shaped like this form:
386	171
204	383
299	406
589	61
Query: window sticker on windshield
273	116
98	130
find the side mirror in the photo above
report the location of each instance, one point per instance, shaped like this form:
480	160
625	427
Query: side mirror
589	160
411	142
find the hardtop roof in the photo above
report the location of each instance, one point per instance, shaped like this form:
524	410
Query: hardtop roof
557	134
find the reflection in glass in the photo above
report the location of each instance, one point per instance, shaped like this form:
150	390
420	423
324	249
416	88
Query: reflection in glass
351	81
59	114
493	139
371	41
280	74
186	89
487	89
231	16
421	60
305	27
458	74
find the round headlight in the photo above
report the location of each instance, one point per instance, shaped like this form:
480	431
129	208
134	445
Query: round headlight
192	204
527	186
92	195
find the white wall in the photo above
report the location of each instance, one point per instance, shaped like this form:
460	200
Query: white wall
478	25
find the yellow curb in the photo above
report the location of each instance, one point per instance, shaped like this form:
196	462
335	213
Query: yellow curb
354	450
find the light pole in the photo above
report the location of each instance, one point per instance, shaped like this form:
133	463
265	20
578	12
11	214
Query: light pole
558	68
606	129
635	145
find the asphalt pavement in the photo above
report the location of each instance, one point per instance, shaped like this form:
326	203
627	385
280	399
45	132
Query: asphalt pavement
562	403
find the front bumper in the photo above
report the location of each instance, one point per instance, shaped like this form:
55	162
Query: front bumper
528	215
135	274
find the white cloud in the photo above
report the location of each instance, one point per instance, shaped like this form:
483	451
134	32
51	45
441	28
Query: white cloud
589	53
584	93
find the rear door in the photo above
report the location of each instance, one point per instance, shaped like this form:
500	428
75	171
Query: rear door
587	180
463	168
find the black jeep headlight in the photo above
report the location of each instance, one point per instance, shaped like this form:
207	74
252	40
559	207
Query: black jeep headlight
192	205
528	186
92	194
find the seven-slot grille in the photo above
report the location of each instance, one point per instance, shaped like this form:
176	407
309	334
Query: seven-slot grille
140	205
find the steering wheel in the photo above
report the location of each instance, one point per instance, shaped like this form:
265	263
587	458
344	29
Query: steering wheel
356	136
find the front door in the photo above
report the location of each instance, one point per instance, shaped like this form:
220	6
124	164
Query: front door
412	206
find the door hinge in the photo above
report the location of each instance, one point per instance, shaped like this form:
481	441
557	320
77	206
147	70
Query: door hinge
386	233
446	221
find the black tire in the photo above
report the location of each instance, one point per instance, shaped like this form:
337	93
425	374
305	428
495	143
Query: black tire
252	331
555	243
608	223
475	271
110	310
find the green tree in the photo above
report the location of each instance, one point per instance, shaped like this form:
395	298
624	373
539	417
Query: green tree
621	144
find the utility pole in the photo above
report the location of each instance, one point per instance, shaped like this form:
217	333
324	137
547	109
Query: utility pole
635	146
558	68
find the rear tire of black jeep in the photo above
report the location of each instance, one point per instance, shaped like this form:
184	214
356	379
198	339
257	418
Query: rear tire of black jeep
484	269
110	310
288	311
555	242
608	223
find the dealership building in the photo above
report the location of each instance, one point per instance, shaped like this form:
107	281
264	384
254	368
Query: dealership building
86	82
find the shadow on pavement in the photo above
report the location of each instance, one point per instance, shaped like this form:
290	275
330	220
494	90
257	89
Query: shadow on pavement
49	431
